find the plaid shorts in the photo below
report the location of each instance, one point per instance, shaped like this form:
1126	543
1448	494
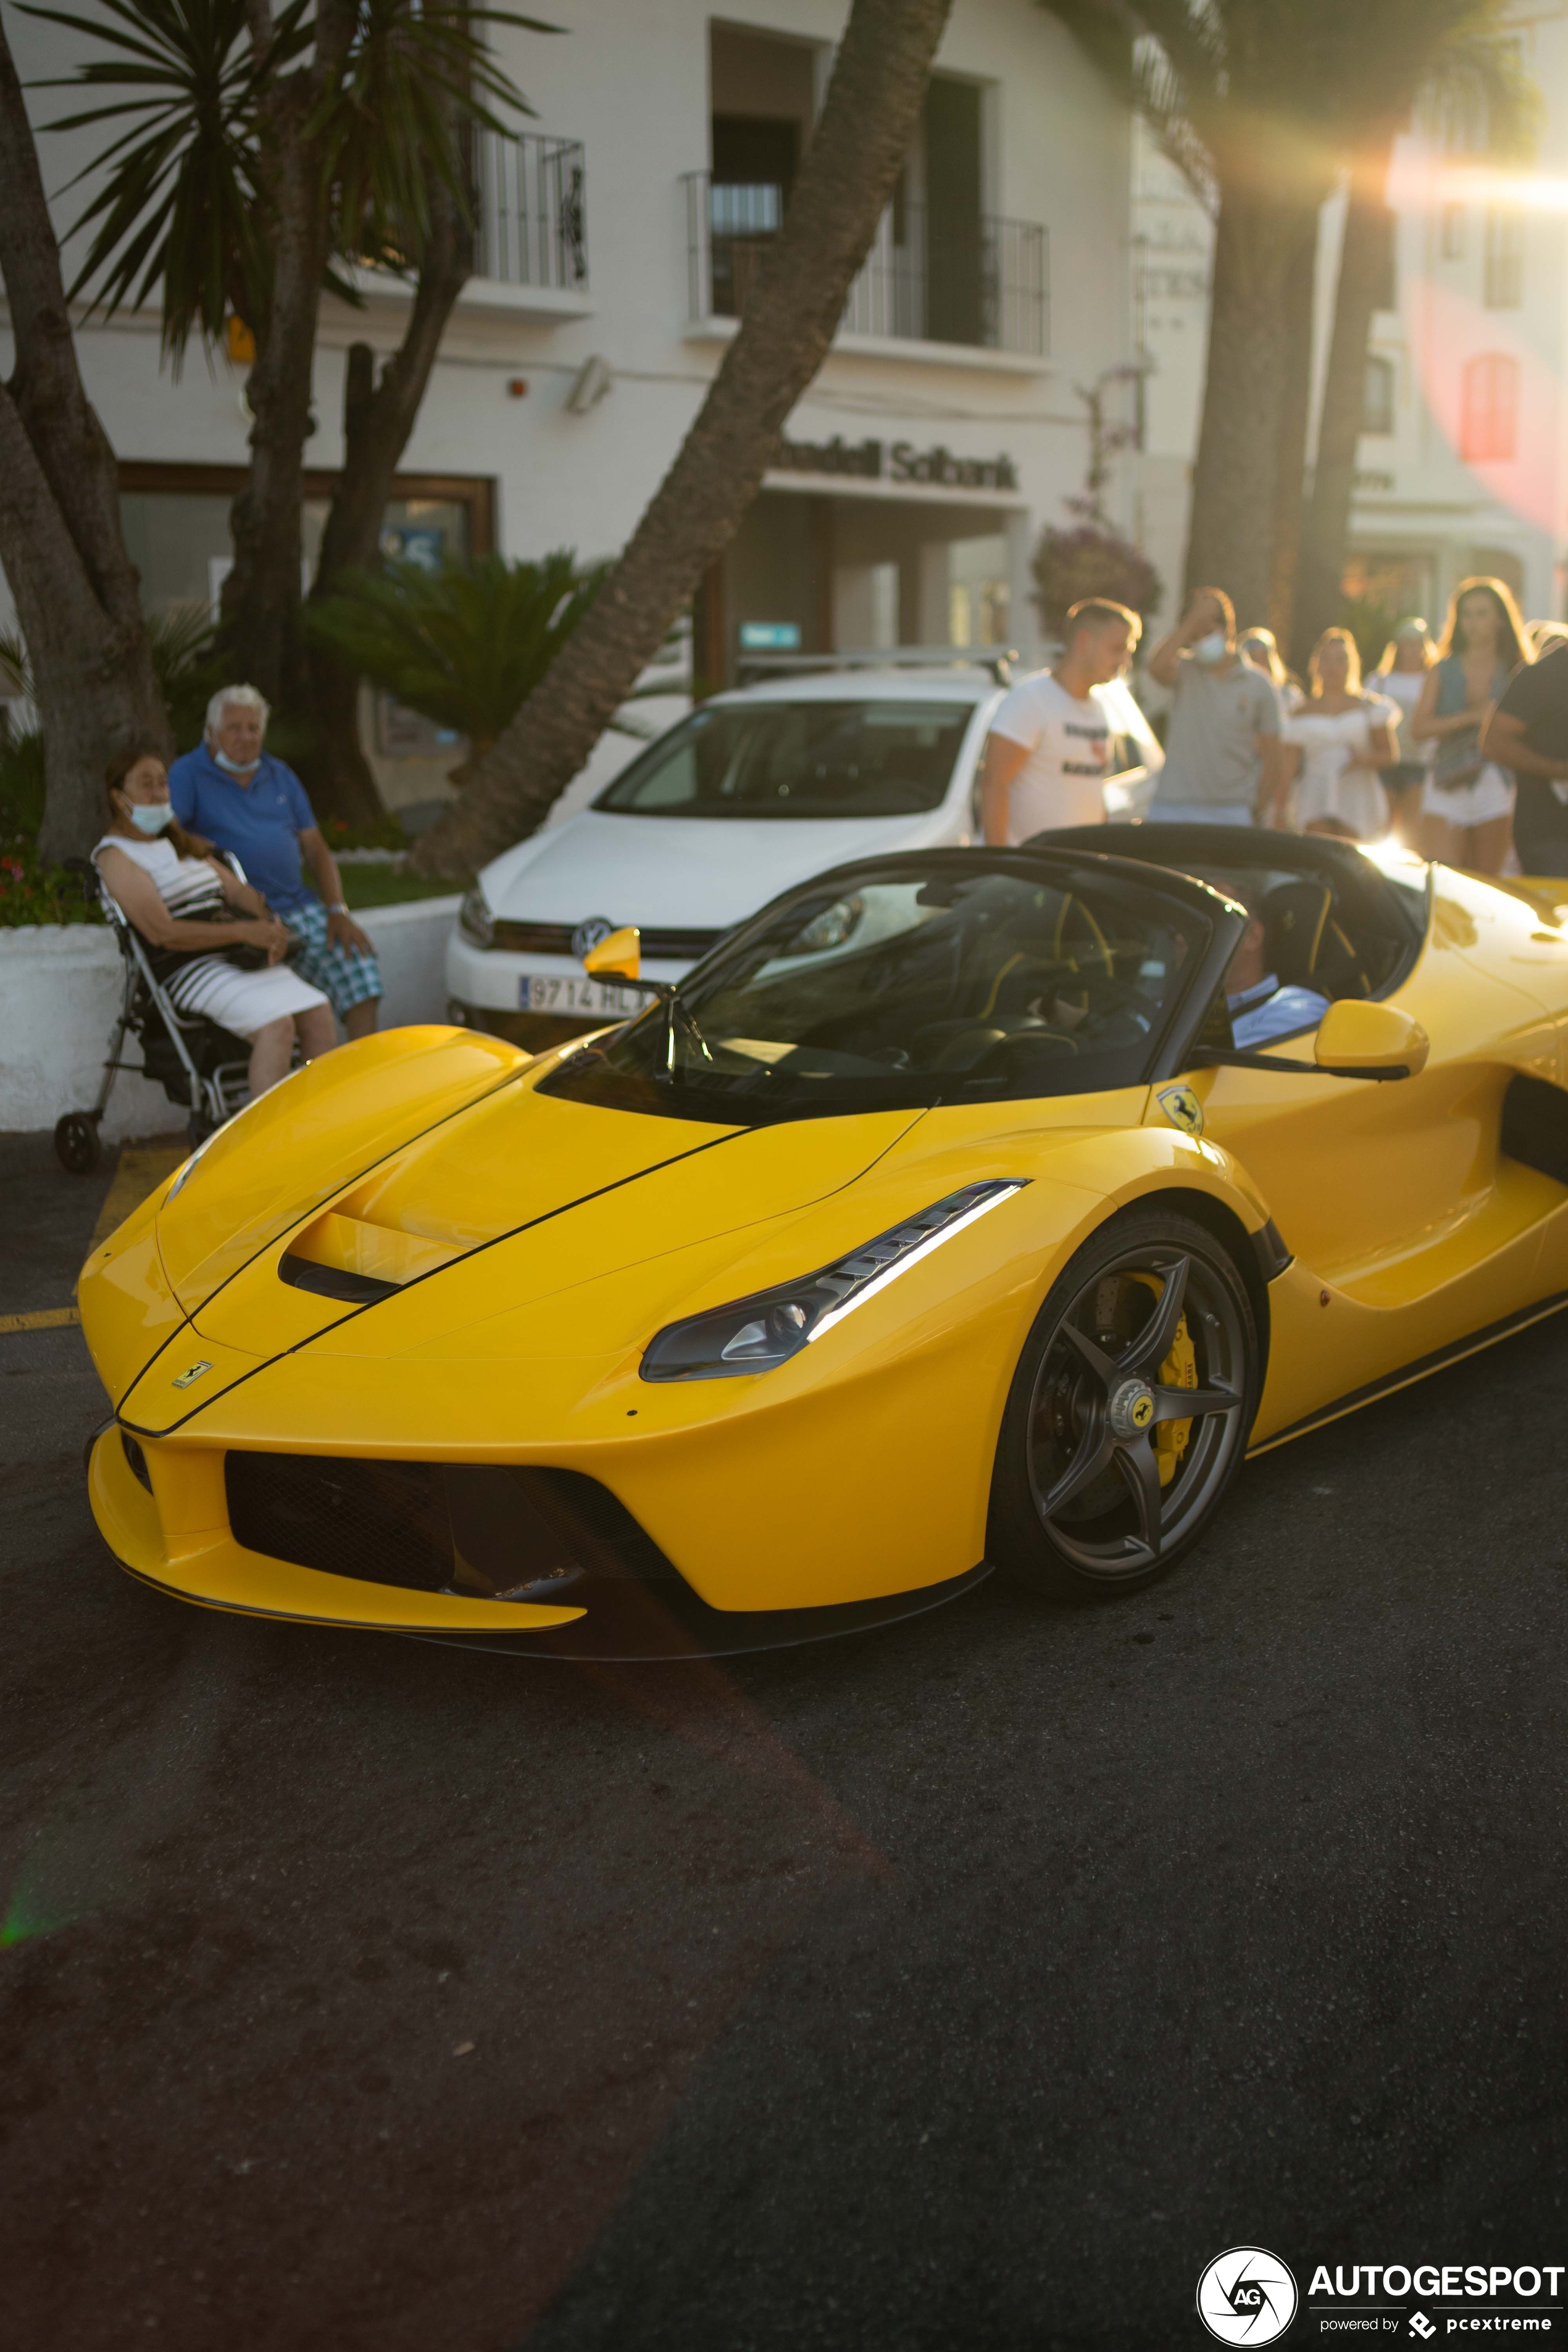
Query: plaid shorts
347	976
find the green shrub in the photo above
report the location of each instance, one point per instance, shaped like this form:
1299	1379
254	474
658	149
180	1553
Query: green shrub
31	893
21	784
465	645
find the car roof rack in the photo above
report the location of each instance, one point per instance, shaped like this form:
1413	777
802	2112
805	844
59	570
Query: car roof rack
998	659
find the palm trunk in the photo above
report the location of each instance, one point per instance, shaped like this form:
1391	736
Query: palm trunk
377	421
1236	478
75	586
869	115
1328	522
1295	407
260	605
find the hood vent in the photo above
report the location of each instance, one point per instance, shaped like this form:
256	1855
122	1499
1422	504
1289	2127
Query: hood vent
335	1281
345	1257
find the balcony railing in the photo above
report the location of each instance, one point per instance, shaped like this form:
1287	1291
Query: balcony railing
928	278
532	211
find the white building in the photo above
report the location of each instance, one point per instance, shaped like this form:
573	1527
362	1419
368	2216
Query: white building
619	230
1463	462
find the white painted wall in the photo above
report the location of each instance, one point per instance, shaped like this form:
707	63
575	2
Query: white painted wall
60	986
632	83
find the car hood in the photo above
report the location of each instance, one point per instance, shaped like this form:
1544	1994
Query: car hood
707	873
516	1197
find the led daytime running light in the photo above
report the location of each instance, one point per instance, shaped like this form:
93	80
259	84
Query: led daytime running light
995	1195
759	1333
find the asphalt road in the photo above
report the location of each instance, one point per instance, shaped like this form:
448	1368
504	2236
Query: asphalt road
968	1984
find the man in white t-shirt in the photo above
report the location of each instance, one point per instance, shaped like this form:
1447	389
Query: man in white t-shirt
1051	749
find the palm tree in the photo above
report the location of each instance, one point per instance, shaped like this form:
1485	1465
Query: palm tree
845	181
1261	102
1475	74
257	151
61	540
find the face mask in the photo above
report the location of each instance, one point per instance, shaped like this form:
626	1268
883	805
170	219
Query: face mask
151	816
1211	649
234	767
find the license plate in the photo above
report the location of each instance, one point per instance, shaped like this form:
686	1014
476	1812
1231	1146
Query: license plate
546	992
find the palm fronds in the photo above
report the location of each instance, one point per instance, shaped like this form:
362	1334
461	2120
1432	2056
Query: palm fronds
464	645
185	204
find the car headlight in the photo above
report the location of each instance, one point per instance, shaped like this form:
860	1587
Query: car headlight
475	921
830	928
755	1334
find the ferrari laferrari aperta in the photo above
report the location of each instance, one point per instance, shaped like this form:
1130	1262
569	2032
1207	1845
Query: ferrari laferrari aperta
948	1213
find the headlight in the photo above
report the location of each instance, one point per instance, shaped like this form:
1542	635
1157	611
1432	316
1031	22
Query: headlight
757	1333
475	919
829	929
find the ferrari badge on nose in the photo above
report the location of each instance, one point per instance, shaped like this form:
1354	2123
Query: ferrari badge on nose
1183	1108
194	1373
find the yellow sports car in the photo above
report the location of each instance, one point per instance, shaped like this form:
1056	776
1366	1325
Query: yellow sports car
965	1206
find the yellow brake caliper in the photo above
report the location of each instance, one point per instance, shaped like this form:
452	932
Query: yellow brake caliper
1179	1370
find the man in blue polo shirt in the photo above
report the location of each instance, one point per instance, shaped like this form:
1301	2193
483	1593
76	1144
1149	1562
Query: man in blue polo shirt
244	799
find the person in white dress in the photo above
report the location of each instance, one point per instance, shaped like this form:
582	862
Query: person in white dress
1051	749
1401	674
180	902
1337	740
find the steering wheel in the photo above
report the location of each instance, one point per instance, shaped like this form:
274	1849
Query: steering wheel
1098	946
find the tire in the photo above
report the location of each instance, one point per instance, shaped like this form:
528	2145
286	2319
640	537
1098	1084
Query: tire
1082	1502
76	1143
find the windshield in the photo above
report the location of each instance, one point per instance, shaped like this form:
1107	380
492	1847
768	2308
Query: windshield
942	978
797	759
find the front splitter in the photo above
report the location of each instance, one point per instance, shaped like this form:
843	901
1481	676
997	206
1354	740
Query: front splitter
627	1623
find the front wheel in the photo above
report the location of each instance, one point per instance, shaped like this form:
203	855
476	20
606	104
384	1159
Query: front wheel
1129	1411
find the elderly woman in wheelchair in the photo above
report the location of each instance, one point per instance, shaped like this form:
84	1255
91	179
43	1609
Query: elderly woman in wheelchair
213	947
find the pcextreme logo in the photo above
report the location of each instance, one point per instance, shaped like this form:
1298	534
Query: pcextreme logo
1247	2295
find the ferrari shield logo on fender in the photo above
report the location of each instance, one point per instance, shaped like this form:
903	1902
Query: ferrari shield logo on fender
194	1373
1183	1108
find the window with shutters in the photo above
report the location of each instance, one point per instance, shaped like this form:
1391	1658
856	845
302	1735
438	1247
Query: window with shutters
1488	423
1378	400
1503	286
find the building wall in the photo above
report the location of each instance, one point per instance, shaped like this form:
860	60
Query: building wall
633	83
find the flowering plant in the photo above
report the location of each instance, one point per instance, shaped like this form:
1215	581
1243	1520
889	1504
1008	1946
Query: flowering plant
31	893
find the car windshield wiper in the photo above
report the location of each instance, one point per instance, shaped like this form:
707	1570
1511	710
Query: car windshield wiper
678	1015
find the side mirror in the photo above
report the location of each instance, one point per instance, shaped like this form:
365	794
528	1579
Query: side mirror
1361	1040
617	958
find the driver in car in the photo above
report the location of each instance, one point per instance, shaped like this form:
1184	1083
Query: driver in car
1260	1009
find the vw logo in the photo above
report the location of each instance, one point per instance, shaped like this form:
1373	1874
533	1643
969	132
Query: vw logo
588	934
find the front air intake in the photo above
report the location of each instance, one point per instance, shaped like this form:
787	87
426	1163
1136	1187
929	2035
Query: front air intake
491	1531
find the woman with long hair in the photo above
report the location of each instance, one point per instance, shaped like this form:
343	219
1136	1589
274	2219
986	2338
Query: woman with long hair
1466	802
1338	741
180	901
1400	675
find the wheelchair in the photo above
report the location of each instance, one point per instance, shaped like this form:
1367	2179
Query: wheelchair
201	1067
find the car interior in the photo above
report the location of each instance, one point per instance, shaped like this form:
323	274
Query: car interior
960	981
806	758
1332	920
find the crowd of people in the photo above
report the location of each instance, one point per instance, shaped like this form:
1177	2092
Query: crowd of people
1456	744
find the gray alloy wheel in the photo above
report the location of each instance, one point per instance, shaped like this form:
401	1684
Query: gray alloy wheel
1129	1411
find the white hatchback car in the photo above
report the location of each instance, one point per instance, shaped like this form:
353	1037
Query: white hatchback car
749	794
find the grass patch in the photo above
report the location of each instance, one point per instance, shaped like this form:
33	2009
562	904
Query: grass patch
382	886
